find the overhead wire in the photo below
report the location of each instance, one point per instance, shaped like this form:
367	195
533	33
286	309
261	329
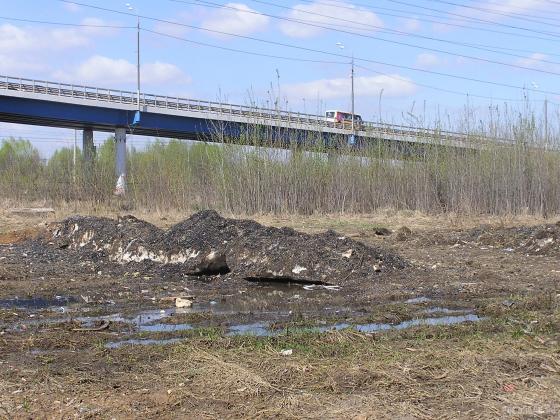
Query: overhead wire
344	6
478	20
221	47
510	14
391	31
359	66
459	77
85	25
454	92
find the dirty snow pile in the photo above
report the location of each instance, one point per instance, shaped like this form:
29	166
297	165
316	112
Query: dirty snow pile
208	244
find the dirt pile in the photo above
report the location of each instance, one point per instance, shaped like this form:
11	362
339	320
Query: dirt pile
532	240
208	244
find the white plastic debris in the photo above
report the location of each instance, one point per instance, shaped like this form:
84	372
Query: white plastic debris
183	302
287	352
120	187
298	269
347	254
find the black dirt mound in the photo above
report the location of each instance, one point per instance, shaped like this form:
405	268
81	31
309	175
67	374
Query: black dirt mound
532	240
207	244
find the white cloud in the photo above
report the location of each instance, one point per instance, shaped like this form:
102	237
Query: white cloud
538	61
504	7
428	60
170	29
108	71
535	60
393	85
241	21
26	49
13	66
494	11
19	40
410	24
332	14
72	7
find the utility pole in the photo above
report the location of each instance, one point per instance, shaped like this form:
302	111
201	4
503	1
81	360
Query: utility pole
132	9
352	77
352	95
278	87
138	58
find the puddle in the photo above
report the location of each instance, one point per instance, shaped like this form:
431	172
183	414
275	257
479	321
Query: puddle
440	310
419	299
262	329
165	327
36	303
258	329
445	320
151	320
142	342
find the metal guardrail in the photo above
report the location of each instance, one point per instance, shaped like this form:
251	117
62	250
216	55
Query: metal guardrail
184	104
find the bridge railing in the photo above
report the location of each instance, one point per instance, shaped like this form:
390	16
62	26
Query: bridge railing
219	108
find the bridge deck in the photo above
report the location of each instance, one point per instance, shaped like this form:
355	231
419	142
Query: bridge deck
57	104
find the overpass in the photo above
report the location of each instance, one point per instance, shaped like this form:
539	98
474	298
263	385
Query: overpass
55	104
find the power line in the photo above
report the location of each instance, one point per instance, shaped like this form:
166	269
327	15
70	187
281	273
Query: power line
521	16
454	92
393	32
407	16
472	79
365	68
483	21
483	47
205	44
84	25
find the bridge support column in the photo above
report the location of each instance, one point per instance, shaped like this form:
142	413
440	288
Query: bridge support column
88	149
120	160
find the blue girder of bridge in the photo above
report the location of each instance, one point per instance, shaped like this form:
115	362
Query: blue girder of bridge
44	103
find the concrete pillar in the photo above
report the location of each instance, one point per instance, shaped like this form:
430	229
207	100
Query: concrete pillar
88	149
120	160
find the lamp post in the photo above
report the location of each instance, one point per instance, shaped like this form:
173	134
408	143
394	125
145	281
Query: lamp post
352	96
132	9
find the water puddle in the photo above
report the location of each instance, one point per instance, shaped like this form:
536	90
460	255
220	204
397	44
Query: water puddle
263	329
445	320
258	329
142	342
36	303
165	327
419	299
440	310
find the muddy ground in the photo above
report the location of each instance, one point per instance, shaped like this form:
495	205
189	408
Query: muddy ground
385	316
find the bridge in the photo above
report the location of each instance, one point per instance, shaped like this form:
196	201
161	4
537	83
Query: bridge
63	105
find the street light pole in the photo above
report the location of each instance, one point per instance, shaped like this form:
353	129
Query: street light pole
138	59
129	7
352	93
352	77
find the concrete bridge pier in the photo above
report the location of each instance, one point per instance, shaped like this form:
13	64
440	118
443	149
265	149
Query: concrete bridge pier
88	149
120	160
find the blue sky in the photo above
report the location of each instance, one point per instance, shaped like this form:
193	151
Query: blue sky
104	53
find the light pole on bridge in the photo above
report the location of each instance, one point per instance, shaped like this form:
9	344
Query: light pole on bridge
352	96
132	9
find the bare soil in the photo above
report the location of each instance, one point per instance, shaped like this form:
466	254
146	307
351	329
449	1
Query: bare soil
425	317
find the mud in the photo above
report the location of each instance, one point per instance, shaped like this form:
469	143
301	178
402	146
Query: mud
446	324
207	244
530	240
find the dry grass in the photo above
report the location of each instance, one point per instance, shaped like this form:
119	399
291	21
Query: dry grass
462	372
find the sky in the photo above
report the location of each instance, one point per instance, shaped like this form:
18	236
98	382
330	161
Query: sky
293	53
